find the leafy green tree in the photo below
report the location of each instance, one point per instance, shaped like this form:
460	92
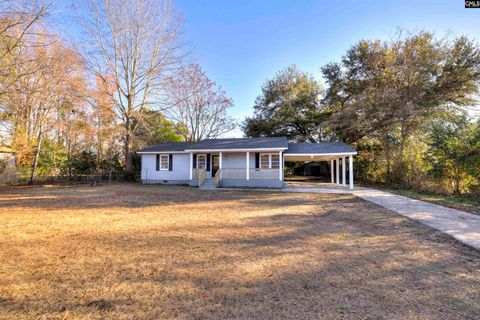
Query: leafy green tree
111	161
288	106
52	158
454	152
84	162
387	90
155	128
473	158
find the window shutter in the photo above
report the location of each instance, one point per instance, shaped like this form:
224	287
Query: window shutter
157	164
257	160
194	161
208	162
170	162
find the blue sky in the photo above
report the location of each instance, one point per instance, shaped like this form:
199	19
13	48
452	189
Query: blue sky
241	44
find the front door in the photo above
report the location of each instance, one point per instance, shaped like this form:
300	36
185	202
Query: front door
215	164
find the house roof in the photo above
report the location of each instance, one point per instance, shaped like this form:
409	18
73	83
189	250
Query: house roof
319	148
167	146
241	143
266	143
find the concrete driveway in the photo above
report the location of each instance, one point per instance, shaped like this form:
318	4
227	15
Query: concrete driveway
463	226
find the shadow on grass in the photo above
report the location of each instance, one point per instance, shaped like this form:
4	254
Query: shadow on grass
342	263
138	196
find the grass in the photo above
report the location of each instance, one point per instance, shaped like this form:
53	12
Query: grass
467	204
128	251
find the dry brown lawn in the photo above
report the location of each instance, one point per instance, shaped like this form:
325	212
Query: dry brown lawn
148	252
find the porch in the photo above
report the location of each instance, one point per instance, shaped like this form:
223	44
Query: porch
263	169
237	169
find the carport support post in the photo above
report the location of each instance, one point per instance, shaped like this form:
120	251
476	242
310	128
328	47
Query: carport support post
191	165
248	165
280	166
337	169
344	173
350	171
332	175
220	155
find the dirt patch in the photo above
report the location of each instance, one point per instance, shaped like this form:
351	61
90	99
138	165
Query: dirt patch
131	251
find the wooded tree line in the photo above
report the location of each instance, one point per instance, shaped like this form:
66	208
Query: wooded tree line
407	105
70	109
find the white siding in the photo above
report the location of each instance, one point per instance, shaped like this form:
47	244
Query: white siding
180	168
237	160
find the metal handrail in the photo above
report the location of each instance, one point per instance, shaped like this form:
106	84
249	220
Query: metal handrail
217	178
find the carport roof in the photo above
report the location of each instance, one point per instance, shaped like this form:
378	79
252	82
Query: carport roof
321	148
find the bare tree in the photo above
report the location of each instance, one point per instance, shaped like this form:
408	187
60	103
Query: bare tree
136	48
17	26
33	102
199	105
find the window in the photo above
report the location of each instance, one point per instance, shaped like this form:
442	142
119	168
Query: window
269	161
164	162
201	161
264	161
274	161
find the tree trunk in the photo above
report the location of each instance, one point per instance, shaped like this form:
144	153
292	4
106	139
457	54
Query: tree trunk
386	149
458	179
69	161
403	138
128	145
37	155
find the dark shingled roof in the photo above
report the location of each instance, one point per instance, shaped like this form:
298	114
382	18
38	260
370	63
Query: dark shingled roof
320	148
240	143
167	146
252	143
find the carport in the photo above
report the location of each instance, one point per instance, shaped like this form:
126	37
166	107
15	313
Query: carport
334	152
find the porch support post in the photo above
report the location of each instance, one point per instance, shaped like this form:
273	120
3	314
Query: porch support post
332	175
248	165
337	169
344	172
350	171
191	166
220	156
280	166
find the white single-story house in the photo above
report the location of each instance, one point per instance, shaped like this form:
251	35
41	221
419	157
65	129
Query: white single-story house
240	162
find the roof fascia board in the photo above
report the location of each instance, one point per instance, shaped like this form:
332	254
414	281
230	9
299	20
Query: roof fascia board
318	154
157	152
235	150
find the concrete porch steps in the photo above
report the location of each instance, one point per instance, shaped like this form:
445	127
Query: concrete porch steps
208	184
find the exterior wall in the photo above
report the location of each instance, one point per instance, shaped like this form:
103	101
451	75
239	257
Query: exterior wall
225	183
180	173
236	160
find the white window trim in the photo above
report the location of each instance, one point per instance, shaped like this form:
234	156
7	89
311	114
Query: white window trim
160	162
202	155
269	160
